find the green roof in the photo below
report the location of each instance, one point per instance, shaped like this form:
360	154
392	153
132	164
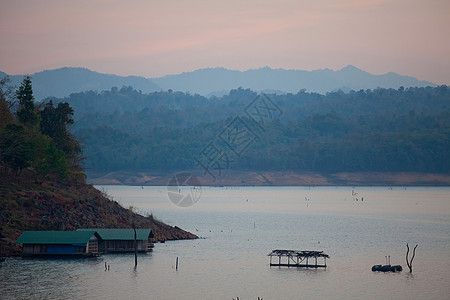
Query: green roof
120	234
55	237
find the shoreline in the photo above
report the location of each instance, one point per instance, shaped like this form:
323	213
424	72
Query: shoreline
275	178
50	205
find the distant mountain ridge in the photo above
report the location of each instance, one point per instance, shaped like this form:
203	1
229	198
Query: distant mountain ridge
65	81
217	81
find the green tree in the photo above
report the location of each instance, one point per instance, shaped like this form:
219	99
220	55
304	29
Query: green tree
7	92
45	158
5	114
22	148
27	114
6	102
54	123
14	151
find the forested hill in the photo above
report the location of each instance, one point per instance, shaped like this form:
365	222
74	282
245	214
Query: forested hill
388	130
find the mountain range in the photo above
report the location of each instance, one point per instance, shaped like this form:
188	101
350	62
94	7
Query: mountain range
64	81
216	81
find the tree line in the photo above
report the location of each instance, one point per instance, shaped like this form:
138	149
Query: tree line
123	129
177	109
368	130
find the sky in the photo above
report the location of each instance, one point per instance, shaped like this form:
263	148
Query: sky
155	38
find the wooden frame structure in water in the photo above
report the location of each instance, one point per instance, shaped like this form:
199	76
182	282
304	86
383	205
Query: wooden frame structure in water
298	258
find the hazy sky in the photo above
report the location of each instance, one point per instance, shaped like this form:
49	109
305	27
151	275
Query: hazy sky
155	38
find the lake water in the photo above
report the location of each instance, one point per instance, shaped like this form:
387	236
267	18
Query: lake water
239	226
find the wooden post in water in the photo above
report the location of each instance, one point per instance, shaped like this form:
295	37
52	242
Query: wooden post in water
176	265
135	246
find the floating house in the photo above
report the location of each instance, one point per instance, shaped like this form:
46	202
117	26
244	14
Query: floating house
298	258
122	240
59	243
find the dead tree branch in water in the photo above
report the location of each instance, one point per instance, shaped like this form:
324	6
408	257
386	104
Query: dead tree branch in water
410	262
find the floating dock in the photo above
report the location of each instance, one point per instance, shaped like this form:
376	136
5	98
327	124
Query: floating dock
298	258
387	268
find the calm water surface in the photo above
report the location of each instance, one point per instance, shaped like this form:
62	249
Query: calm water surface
239	226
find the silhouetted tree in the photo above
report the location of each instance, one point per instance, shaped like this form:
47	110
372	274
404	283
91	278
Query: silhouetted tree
54	123
5	114
7	92
14	150
6	101
27	111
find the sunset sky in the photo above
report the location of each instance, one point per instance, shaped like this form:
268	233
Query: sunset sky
156	38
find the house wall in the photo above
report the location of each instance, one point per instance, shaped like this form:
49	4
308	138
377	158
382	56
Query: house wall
117	245
34	249
122	245
63	249
147	245
53	249
92	246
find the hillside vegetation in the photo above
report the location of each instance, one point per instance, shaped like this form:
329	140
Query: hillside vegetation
381	130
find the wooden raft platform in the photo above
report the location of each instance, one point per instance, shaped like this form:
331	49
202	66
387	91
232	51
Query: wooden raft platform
298	258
